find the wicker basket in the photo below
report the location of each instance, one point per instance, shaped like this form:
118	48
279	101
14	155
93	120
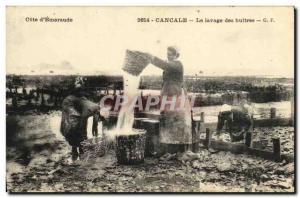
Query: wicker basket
135	62
94	147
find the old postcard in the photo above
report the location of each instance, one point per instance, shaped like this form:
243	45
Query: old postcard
150	99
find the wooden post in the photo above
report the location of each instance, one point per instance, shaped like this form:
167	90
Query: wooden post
115	90
24	92
292	111
276	149
195	134
43	99
15	101
248	139
252	123
37	92
202	116
273	113
56	100
29	100
208	138
51	96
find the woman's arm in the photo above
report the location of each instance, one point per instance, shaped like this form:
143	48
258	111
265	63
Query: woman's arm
89	108
164	65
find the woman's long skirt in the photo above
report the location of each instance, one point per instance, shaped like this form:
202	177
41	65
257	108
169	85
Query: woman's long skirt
176	125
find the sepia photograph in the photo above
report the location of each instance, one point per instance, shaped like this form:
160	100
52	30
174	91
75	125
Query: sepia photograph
150	99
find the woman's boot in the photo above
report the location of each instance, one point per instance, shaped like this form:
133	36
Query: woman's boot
74	153
81	150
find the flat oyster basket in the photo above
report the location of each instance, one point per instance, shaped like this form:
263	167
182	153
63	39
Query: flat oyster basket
135	62
95	147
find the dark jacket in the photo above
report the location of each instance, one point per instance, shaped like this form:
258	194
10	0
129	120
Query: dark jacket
75	112
172	76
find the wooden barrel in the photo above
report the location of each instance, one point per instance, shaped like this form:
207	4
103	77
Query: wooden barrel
152	137
138	123
130	148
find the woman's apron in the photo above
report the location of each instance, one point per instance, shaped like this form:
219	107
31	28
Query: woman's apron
175	125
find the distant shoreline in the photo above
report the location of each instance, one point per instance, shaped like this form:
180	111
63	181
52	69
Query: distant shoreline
186	76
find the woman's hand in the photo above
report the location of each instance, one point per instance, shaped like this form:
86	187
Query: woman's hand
104	114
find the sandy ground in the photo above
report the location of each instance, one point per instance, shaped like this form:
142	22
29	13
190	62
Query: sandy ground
38	160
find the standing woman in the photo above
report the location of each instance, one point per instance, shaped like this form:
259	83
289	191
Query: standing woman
175	124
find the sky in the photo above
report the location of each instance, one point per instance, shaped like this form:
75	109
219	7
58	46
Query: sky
96	41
